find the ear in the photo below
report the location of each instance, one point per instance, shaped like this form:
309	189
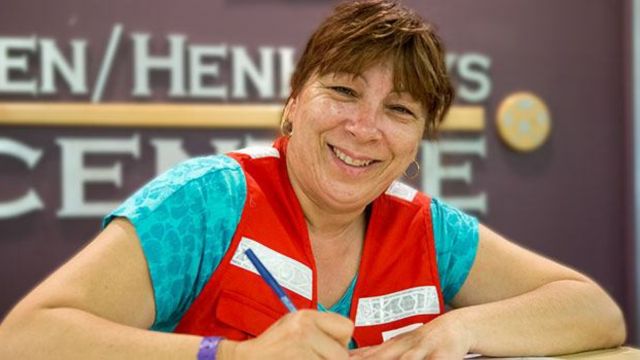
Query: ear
290	109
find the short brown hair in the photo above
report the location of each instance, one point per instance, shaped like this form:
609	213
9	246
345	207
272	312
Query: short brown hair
359	34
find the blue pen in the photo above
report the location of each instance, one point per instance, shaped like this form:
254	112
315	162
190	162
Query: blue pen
270	280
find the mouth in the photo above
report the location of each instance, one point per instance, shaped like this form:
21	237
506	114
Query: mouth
352	161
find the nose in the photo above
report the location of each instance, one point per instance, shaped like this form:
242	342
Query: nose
363	125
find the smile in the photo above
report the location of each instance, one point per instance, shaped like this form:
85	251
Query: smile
349	160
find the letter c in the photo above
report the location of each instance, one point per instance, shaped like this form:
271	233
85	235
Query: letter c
30	201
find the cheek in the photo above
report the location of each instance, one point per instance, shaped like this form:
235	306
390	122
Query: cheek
341	108
404	139
336	109
326	113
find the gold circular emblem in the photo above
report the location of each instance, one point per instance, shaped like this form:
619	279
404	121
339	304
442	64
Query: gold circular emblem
523	121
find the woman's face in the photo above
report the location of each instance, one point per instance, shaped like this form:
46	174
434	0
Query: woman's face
352	136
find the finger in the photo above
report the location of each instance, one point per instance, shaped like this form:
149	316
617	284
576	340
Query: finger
359	351
336	326
416	354
391	349
325	346
445	355
356	354
363	352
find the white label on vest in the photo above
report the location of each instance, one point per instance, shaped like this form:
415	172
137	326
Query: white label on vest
289	273
386	335
402	191
384	309
257	152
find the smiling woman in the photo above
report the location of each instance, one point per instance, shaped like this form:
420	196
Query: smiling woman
370	261
358	131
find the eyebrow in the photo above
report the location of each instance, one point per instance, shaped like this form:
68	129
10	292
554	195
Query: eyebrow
404	95
352	75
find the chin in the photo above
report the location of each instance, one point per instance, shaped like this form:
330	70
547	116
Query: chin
350	196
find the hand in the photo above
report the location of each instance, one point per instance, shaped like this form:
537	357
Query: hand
444	338
305	334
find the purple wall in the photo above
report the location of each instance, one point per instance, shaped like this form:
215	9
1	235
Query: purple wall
569	200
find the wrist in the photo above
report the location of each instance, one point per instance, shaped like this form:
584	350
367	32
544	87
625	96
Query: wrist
209	347
463	326
227	350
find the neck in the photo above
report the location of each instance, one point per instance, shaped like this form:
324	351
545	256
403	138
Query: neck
332	234
328	223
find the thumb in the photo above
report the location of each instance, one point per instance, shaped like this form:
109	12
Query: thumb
336	326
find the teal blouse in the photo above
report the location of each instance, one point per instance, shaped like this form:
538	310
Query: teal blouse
186	218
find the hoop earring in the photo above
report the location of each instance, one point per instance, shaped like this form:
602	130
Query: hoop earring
286	128
416	173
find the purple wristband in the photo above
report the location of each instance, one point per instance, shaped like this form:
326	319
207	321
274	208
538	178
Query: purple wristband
209	347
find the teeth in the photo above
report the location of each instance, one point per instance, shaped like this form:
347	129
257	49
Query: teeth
349	161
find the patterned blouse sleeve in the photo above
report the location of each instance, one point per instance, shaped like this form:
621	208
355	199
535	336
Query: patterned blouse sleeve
185	220
456	242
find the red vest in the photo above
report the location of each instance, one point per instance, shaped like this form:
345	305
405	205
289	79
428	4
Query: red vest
397	287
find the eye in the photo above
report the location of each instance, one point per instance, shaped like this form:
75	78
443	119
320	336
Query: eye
401	110
343	90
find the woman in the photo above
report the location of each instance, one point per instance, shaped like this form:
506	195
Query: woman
323	211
